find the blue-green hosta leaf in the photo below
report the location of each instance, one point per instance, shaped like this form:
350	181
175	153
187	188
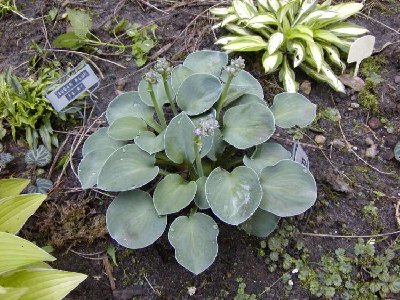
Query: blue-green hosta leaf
206	141
248	43
194	239
149	142
159	92
275	42
248	125
179	139
200	198
198	93
218	145
246	99
15	211
172	194
286	75
127	168
267	154
206	62
293	109
179	74
271	62
44	284
261	224
288	189
16	252
129	104
126	128
233	197
100	140
12	187
133	221
90	166
343	29
397	151
40	156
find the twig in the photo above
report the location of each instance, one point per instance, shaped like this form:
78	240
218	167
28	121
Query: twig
57	156
108	268
397	212
152	6
350	236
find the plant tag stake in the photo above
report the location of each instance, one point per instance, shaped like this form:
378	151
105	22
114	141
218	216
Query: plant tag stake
361	49
72	85
300	156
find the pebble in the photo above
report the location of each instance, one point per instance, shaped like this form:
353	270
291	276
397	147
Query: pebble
374	123
369	141
305	87
120	84
372	151
397	79
354	105
338	144
320	139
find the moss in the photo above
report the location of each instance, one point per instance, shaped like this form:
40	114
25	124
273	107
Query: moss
367	97
373	65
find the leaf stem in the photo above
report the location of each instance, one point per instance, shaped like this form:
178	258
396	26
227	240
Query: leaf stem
199	166
156	105
169	96
163	172
224	94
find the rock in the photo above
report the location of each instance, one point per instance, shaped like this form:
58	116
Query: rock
338	144
397	79
305	87
372	151
120	84
374	123
356	83
369	141
388	155
320	139
354	105
191	290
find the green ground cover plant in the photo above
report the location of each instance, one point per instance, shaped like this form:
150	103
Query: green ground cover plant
210	147
291	34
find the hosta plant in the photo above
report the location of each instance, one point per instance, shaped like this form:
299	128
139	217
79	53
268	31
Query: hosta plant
211	151
24	274
292	34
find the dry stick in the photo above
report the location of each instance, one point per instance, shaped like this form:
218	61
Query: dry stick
350	236
57	156
397	212
152	6
108	268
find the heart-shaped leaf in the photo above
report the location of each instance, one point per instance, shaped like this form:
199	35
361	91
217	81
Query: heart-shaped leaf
126	128
206	61
246	99
179	74
149	142
218	145
233	197
200	198
267	154
288	188
133	221
127	168
90	166
172	194
198	93
179	139
129	104
159	92
195	241
293	109
261	224
100	140
248	125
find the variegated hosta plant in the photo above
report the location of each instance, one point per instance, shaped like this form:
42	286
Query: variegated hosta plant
291	34
210	152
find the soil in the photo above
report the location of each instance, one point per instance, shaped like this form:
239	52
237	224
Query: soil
72	220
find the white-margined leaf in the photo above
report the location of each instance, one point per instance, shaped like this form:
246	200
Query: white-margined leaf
246	44
271	62
334	56
332	79
286	75
275	42
245	9
298	51
342	29
316	54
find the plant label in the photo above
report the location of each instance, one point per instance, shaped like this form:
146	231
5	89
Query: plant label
68	90
300	156
361	49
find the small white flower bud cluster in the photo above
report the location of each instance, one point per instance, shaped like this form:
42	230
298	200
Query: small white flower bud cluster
151	77
206	127
163	66
236	66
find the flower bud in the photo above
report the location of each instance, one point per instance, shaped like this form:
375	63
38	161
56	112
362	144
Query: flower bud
151	77
206	127
236	66
162	66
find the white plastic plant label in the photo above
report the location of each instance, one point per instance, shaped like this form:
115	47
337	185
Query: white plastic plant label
300	156
361	49
64	92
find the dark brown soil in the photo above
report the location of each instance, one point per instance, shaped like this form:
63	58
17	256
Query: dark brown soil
73	220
